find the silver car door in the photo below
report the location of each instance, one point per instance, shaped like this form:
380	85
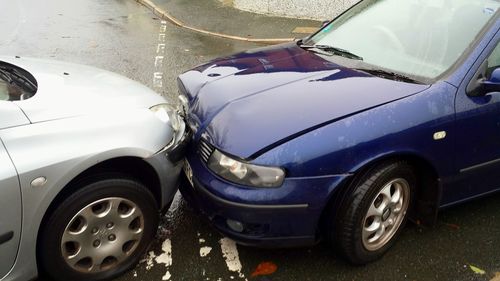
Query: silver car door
10	212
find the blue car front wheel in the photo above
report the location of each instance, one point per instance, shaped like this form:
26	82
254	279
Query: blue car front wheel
373	214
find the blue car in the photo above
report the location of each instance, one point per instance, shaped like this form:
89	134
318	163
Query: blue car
387	114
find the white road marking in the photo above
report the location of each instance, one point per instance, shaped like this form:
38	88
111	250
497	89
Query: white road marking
158	79
160	51
158	61
166	276
231	256
163	26
149	260
204	251
201	240
166	257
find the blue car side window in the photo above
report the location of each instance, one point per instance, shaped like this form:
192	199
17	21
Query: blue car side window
493	60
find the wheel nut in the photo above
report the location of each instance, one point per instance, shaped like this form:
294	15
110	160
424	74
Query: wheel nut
112	237
97	243
95	230
109	225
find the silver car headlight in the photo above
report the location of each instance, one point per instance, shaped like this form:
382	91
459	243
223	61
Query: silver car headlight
167	114
245	173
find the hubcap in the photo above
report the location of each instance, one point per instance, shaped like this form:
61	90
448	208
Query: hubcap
102	235
385	214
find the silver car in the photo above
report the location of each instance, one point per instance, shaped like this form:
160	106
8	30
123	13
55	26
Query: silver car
87	161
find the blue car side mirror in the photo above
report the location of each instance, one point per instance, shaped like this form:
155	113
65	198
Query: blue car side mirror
495	76
483	84
492	84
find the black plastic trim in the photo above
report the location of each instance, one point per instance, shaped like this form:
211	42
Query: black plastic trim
482	165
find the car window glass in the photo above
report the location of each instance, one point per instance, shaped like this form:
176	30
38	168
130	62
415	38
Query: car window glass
12	92
416	37
494	60
4	93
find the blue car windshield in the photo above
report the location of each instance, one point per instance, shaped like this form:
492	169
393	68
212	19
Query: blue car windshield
422	38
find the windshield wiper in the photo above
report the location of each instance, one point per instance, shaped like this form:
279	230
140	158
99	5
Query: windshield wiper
390	75
12	76
331	49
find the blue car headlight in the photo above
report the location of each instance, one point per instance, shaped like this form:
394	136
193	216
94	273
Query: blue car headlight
244	173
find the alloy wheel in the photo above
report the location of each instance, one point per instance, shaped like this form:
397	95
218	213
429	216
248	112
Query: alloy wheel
102	235
385	214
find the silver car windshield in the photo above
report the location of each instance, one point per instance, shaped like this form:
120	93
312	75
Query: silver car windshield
12	92
4	93
422	38
16	83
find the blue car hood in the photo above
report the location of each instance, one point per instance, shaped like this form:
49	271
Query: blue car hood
248	103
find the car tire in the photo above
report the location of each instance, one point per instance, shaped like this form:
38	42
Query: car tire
98	232
375	210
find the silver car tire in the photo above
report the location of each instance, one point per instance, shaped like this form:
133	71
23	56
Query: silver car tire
373	213
98	232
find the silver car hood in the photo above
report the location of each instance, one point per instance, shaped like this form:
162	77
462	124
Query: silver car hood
67	90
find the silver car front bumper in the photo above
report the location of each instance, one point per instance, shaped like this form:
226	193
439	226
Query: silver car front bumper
168	165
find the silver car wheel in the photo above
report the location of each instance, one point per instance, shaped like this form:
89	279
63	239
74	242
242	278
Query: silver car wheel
385	214
102	234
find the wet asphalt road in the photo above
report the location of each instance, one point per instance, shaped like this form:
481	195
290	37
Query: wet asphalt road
122	36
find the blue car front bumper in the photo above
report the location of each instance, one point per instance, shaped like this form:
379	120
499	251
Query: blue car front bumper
287	216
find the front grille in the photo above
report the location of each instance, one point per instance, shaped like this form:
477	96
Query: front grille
205	149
